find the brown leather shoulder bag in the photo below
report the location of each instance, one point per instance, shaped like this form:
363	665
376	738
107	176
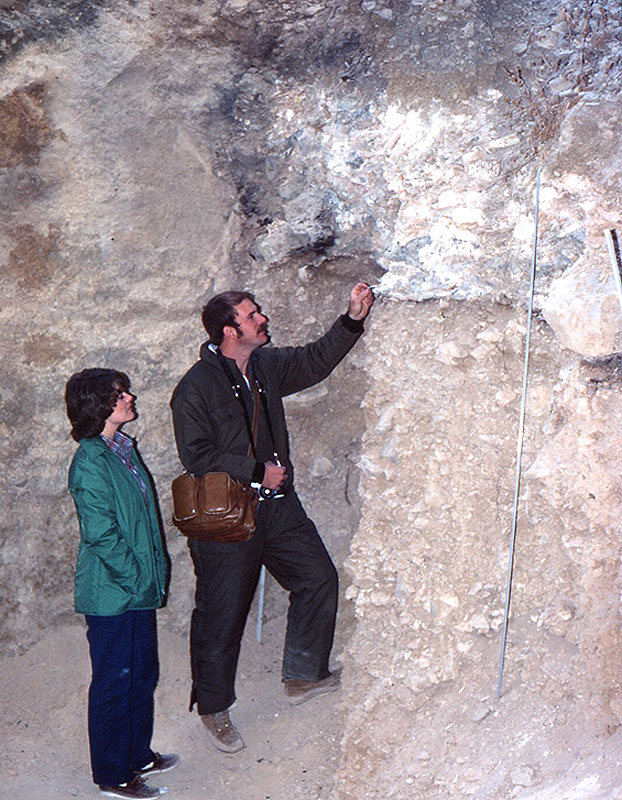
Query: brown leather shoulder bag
214	507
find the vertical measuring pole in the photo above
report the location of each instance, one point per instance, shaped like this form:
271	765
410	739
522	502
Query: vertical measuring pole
521	431
260	601
613	247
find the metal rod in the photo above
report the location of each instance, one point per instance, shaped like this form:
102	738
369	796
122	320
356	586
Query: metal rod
613	247
260	601
521	431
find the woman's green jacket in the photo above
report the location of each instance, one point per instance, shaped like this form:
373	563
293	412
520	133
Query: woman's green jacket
122	563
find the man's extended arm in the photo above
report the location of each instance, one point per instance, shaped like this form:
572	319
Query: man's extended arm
301	367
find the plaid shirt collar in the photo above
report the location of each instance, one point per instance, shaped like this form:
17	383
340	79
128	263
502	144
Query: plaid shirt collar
122	445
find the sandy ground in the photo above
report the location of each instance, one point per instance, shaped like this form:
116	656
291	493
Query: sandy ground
291	752
536	743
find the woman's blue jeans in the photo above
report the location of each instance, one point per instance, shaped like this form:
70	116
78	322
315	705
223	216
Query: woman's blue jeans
124	662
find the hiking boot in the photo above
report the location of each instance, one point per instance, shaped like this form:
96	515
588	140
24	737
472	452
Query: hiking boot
134	789
222	732
159	764
298	691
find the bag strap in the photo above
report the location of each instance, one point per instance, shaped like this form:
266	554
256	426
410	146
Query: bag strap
258	392
255	415
264	400
237	391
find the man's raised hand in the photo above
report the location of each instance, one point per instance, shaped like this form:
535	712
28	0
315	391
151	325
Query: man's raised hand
361	300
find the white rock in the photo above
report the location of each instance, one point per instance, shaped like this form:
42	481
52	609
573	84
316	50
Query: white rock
585	312
450	352
522	776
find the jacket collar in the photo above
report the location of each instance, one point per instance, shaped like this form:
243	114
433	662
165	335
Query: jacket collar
97	445
207	353
209	356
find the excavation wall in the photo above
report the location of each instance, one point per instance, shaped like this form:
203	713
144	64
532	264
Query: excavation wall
152	154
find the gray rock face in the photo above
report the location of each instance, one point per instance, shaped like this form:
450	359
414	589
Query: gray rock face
153	154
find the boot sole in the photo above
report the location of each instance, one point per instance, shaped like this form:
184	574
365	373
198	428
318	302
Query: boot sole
296	700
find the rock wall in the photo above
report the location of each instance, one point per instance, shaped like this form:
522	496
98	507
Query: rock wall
430	558
152	154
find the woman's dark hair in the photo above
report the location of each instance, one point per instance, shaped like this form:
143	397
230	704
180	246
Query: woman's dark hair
90	397
219	312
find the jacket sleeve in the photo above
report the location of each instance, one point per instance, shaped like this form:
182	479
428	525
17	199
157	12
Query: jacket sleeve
298	368
199	447
92	492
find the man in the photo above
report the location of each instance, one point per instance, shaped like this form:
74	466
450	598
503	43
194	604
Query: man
212	435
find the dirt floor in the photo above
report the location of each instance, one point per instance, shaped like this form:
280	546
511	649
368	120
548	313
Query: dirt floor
291	752
532	745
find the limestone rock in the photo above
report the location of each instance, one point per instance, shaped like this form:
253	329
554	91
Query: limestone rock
583	308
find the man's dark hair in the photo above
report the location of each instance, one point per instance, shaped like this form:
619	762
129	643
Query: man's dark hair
219	312
90	397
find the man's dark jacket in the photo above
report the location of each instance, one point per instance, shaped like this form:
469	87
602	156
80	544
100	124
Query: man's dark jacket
210	430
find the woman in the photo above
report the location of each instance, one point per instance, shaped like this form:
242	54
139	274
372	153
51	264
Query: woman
120	580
